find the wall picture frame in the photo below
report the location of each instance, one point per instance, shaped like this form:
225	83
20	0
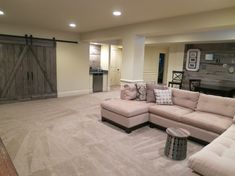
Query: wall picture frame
209	57
193	60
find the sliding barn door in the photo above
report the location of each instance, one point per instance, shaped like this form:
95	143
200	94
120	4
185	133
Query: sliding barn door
13	73
42	64
27	71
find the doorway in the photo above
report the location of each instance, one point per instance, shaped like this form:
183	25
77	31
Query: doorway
161	66
115	65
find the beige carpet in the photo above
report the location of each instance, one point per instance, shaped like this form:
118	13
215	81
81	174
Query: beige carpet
65	137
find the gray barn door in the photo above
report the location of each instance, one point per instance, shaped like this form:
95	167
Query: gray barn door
13	73
42	69
27	71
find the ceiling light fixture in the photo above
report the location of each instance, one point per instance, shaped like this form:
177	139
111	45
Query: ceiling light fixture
117	13
1	12
72	25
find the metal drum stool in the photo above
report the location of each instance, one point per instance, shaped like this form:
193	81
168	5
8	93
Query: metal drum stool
176	143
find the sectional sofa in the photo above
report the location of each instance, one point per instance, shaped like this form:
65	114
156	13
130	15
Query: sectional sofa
207	118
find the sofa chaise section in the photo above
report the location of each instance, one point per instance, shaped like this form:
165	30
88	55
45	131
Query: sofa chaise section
126	114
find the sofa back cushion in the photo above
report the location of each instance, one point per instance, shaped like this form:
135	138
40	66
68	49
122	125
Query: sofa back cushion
185	98
217	105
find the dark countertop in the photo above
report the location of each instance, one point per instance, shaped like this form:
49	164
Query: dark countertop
98	72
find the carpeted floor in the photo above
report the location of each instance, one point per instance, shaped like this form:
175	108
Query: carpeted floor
65	137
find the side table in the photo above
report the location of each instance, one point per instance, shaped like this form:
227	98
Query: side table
176	143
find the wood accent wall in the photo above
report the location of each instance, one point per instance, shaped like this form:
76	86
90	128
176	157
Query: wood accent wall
212	72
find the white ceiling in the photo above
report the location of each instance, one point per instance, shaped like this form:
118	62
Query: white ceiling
97	14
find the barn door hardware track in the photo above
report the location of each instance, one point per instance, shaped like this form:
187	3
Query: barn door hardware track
31	38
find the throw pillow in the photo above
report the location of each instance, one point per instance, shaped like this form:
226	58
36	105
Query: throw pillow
141	91
163	97
128	92
150	91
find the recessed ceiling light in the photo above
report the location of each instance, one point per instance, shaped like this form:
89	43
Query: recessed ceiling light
1	12
72	25
117	13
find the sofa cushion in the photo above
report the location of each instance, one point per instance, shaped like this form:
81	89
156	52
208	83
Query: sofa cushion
208	121
172	112
218	105
217	158
126	108
150	91
185	98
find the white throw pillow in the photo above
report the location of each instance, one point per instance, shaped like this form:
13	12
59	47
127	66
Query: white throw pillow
163	97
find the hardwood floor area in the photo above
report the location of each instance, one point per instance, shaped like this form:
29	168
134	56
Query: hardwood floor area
65	137
6	166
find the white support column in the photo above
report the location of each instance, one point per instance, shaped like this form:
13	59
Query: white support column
109	67
133	59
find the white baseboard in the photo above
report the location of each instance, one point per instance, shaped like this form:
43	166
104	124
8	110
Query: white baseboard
73	93
130	81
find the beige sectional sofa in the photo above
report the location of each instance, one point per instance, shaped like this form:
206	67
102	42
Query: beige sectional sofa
190	110
208	118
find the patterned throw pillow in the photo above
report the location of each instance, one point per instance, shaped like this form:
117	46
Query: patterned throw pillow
141	91
163	97
128	92
150	91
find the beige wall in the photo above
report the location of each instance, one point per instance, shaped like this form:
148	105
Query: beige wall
151	62
104	63
104	57
72	69
175	59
